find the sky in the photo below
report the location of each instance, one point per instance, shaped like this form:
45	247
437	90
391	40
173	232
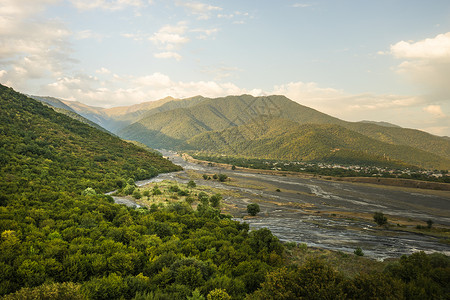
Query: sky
384	60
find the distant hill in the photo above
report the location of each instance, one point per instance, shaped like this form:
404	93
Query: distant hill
187	128
171	123
62	108
177	125
385	124
286	140
53	102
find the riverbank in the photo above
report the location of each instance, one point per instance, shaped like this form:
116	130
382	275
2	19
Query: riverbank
397	182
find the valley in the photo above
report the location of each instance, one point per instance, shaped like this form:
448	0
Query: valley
326	214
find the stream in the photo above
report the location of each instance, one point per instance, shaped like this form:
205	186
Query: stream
288	213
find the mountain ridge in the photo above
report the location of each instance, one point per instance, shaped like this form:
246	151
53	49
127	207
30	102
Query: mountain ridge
170	122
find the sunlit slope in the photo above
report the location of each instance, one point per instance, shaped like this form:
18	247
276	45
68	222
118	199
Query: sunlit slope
172	128
180	124
287	140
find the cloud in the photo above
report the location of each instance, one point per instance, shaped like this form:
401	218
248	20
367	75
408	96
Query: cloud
87	34
103	70
432	48
108	4
435	110
128	90
205	33
168	54
31	47
301	5
170	37
202	10
426	63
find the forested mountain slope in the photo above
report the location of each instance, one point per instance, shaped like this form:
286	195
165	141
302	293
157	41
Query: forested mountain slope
173	128
180	124
286	140
61	238
40	147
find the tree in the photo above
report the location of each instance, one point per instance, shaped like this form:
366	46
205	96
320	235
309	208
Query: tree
215	200
137	194
380	218
253	209
89	192
358	251
218	294
222	177
430	223
191	184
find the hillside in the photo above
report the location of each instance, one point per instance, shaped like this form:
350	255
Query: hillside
286	140
178	125
60	107
116	118
39	146
62	238
173	128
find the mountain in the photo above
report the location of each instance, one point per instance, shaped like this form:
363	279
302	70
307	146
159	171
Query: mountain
178	127
170	123
385	124
58	106
116	118
43	149
53	102
171	128
282	139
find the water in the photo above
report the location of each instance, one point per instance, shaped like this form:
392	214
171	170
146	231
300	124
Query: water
292	214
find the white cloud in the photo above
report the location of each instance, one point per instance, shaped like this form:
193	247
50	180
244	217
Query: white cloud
103	70
128	90
87	34
202	10
301	5
426	63
170	37
432	48
168	54
31	47
205	33
435	110
108	4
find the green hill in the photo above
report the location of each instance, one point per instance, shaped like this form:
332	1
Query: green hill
169	123
286	140
173	128
40	147
180	124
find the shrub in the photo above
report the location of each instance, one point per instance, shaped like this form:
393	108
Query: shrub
253	209
380	218
358	251
192	184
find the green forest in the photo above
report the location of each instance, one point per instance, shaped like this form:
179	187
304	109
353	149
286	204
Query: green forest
62	238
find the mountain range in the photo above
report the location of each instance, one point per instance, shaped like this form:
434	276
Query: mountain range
272	127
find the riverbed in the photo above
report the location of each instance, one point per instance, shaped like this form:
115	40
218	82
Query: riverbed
323	213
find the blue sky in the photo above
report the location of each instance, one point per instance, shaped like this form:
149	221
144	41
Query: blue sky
377	60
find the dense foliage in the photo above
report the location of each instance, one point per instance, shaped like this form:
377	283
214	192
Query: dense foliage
62	239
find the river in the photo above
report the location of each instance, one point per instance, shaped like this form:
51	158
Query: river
300	211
